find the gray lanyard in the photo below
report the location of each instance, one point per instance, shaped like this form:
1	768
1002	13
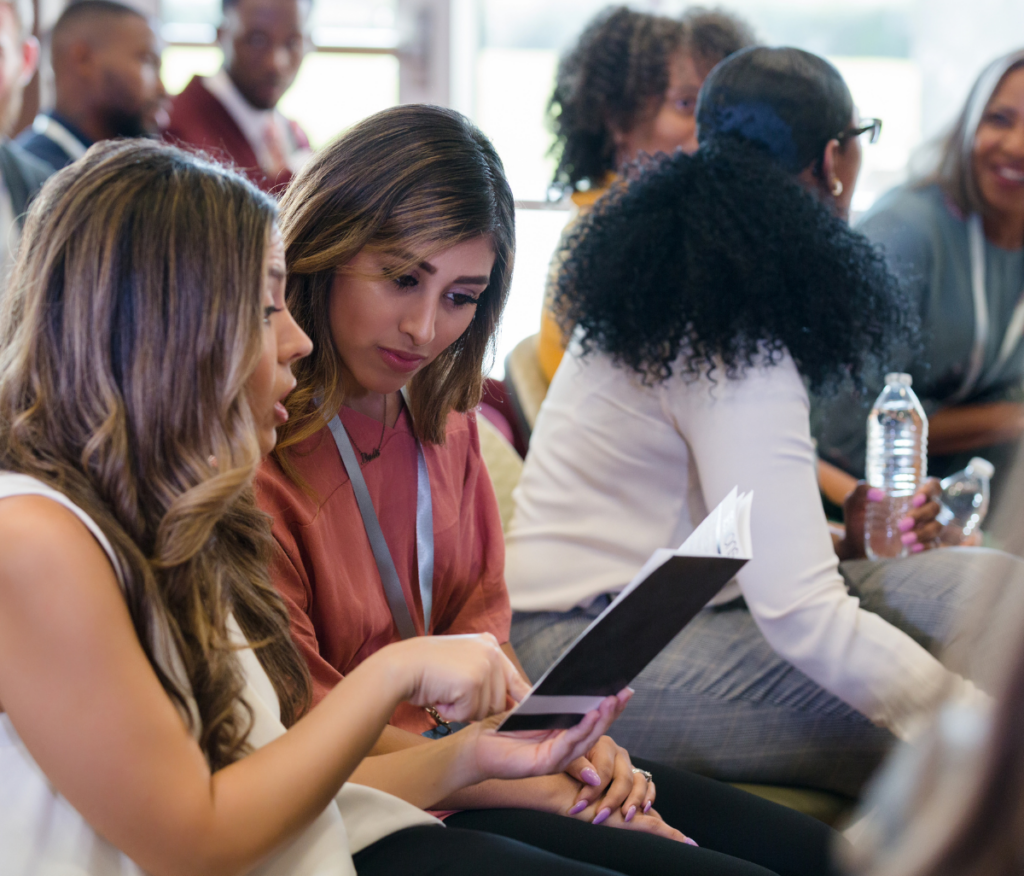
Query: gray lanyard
424	534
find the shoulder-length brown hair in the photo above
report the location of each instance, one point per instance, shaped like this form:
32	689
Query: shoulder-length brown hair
409	181
954	172
127	334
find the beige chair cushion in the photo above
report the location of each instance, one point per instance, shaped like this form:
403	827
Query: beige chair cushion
503	464
525	378
833	809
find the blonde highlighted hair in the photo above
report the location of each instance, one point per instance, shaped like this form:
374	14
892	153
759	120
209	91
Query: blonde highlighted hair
410	181
127	334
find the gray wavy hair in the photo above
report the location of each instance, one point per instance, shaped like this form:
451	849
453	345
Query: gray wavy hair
954	171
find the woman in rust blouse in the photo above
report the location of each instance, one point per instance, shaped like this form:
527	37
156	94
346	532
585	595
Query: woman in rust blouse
400	241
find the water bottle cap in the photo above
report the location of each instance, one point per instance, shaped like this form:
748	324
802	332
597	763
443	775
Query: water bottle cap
982	467
898	377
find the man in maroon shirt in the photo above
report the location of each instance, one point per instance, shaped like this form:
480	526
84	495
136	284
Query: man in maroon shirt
233	114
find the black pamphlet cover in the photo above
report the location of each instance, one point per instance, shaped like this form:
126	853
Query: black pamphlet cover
627	636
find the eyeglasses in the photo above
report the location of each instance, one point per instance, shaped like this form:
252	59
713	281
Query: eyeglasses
869	126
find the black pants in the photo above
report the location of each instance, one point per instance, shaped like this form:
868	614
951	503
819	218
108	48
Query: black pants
739	835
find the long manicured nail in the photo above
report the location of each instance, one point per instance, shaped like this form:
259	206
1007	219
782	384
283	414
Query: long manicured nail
630	813
919	500
691	842
909	539
647	806
876	495
591	777
602	815
917	548
578	808
906	524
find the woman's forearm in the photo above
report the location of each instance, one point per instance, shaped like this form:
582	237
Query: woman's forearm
969	427
394	739
834	483
424	775
283	786
415	769
266	798
555	793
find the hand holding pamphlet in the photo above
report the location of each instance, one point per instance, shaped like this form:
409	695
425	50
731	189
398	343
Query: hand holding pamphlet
666	594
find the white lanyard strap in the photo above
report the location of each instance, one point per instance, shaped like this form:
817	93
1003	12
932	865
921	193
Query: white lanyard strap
50	127
424	535
976	248
1013	332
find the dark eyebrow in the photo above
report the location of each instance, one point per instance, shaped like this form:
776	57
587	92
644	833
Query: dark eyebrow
469	281
276	273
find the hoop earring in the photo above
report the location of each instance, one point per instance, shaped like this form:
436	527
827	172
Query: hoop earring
837	187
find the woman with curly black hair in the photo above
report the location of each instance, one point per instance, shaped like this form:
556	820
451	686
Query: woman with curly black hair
629	86
706	291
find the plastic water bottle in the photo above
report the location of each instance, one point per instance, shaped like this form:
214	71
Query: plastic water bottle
965	500
897	463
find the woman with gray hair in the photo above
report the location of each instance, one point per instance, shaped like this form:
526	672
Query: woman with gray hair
956	241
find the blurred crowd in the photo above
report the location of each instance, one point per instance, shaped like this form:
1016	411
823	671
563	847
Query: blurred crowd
711	319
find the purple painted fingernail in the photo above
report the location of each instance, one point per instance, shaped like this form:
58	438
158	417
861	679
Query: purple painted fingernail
876	495
647	806
919	500
909	538
602	815
691	842
590	776
917	548
906	524
578	808
630	813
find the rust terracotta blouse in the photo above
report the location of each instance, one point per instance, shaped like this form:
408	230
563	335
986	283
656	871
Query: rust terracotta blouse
324	567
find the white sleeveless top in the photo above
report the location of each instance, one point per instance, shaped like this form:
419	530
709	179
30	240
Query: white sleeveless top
41	834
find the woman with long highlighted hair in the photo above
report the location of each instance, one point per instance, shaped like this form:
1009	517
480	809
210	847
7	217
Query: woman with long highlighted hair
147	677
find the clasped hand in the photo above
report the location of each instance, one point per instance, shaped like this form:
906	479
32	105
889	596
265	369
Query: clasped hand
611	791
921	528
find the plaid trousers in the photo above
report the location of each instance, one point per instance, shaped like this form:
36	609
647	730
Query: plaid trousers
720	702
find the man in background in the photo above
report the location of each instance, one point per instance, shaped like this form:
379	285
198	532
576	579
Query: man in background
106	69
21	175
233	114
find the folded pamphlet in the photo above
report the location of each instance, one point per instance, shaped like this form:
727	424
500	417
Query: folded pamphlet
666	594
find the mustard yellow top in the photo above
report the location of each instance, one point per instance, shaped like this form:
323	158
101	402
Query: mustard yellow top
551	343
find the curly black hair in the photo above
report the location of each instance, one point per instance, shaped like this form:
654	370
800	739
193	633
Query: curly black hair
716	260
618	65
